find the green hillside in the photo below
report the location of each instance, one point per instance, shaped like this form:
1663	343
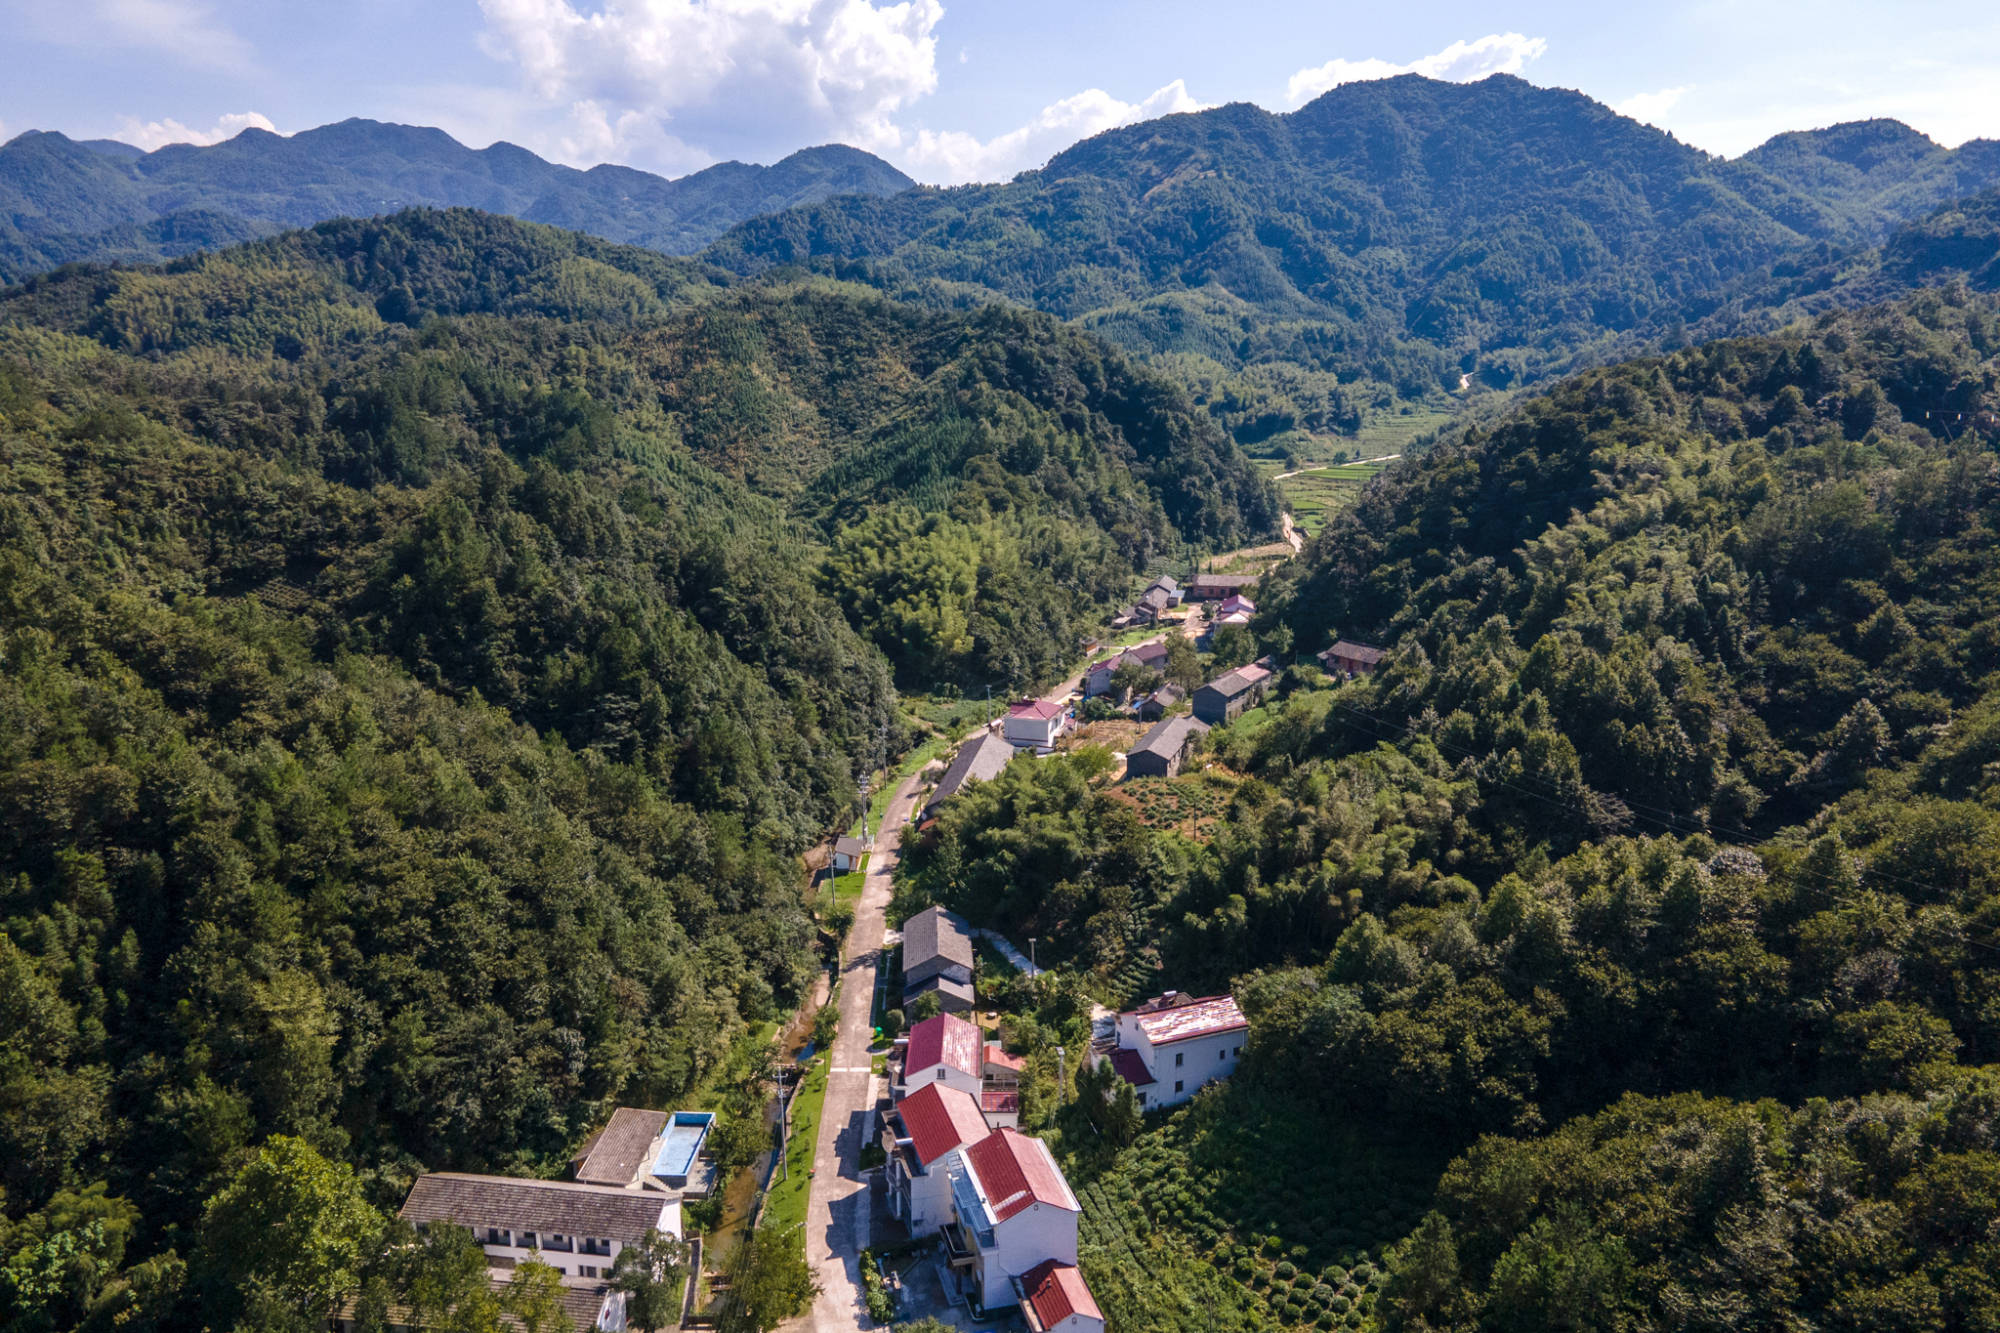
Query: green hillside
1381	241
423	660
1624	945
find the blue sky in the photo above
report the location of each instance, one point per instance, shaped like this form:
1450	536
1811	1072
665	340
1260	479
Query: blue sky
950	90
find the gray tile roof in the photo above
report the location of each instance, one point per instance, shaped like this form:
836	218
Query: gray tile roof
1168	737
552	1206
848	845
935	933
1236	682
621	1147
979	759
941	983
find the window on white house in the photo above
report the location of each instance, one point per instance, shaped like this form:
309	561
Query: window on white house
1177	1085
1180	1058
585	1270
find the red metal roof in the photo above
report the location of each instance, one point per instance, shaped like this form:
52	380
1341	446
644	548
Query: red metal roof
945	1040
1041	708
997	1055
1018	1172
940	1119
1198	1018
1055	1291
1126	1063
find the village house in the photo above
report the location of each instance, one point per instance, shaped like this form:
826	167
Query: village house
1162	751
847	854
656	1150
937	958
947	1051
1056	1299
1167	584
1152	604
978	760
1236	604
1011	1212
1226	697
1215	587
1157	704
1036	723
577	1229
1173	1045
1148	656
918	1133
1350	659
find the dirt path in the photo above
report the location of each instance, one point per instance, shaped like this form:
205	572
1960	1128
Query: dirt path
1292	533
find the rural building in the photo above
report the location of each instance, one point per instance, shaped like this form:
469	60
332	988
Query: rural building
1097	677
1036	723
978	760
1215	587
1012	1211
1238	618
847	854
1350	659
1167	584
946	1051
1224	698
577	1229
1162	751
1056	1299
1152	604
937	956
657	1150
1155	705
1173	1045
1237	604
918	1133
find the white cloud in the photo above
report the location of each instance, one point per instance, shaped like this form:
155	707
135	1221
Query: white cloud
642	80
153	134
1650	107
1461	62
953	157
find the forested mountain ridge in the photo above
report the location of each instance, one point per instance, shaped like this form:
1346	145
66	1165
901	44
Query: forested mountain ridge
1383	239
62	201
1621	953
416	688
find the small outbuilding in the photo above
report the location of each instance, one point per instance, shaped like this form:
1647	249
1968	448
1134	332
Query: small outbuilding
1163	751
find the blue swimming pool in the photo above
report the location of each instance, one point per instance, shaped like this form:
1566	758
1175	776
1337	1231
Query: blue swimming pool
684	1138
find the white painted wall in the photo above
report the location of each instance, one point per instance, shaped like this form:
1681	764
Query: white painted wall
1039	1231
1201	1061
953	1078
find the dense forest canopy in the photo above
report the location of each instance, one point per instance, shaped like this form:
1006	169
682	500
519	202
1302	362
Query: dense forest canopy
1382	240
101	201
1661	851
426	653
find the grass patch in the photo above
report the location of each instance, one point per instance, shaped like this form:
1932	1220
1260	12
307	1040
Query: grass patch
952	716
885	786
846	889
785	1203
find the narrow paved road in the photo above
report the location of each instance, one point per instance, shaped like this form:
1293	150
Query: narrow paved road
838	1206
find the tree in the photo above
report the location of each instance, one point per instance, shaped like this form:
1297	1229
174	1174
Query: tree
1122	1117
534	1297
443	1282
892	1024
927	1005
770	1282
291	1224
652	1272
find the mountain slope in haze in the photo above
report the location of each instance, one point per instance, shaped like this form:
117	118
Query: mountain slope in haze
1402	231
63	201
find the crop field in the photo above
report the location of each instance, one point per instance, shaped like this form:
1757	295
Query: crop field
1316	495
1225	1207
1191	802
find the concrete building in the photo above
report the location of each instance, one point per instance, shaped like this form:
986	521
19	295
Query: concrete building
1225	698
1163	751
918	1133
1172	1046
1036	724
980	759
937	959
1012	1210
1056	1299
656	1150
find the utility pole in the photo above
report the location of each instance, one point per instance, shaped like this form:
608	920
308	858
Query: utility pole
1062	1075
1034	973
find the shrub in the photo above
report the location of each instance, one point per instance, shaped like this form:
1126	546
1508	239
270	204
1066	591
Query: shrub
1287	1270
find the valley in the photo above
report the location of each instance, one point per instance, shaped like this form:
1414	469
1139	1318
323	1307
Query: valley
1472	623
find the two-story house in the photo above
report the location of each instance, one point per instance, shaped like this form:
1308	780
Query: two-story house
1036	724
1226	697
1173	1045
575	1228
918	1133
937	957
1012	1210
945	1050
